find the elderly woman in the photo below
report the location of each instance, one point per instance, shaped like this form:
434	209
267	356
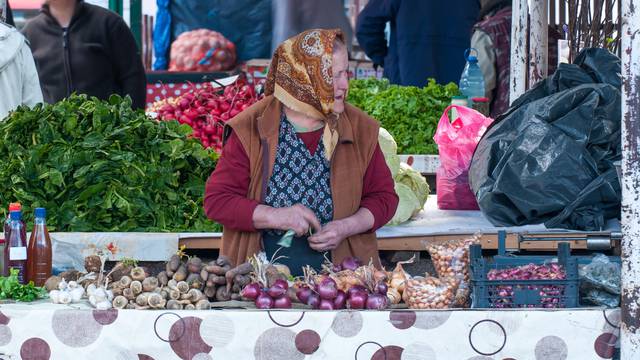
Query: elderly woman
302	159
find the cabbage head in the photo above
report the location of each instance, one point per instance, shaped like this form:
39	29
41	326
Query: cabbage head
408	204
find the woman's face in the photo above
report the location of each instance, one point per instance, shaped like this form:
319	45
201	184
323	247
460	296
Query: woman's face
340	78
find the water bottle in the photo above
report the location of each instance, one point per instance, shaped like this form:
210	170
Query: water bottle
472	80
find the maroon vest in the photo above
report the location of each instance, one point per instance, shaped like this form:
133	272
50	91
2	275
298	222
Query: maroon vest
498	27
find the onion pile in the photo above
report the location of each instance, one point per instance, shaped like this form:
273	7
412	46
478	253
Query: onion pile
274	297
207	109
550	295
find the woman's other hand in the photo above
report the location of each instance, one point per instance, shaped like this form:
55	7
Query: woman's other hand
297	218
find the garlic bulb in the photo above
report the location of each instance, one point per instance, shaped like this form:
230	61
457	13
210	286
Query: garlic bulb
91	289
109	295
64	297
76	294
103	305
62	285
93	300
72	285
54	295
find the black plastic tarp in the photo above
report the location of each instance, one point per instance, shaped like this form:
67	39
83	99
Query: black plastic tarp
247	23
549	159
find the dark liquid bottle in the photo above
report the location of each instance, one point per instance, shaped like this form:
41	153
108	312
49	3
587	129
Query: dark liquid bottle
17	246
39	250
7	221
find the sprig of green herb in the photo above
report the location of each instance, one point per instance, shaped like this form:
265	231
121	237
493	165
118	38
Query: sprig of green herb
10	288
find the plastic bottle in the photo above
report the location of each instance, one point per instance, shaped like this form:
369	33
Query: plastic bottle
472	79
7	221
17	246
39	250
4	259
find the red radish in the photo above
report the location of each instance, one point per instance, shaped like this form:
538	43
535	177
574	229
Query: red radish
251	291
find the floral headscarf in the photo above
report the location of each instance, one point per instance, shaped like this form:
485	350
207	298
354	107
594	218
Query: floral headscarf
301	77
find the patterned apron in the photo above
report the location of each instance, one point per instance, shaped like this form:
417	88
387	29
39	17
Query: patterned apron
298	178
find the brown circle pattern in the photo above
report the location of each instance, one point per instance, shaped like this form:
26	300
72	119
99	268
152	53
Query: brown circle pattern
35	349
185	338
144	357
75	328
551	348
605	345
307	342
4	319
427	320
5	335
277	344
105	317
391	352
347	323
402	319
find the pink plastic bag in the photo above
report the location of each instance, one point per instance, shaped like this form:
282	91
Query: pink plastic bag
457	141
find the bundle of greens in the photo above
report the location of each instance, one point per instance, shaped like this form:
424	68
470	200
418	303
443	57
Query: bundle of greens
410	114
100	166
10	288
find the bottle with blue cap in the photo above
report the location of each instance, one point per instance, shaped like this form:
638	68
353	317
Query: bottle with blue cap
472	79
39	252
17	246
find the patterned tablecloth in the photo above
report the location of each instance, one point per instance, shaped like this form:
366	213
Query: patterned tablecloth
47	331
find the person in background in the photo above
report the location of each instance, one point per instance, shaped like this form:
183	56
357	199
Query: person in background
492	39
8	14
427	38
19	83
291	17
302	159
83	48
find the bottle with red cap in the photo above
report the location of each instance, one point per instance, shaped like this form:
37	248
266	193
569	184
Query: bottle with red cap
7	222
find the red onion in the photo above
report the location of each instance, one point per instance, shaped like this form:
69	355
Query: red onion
382	288
281	283
327	289
340	300
251	291
264	301
313	300
350	263
276	291
356	289
303	293
326	305
376	302
282	302
357	300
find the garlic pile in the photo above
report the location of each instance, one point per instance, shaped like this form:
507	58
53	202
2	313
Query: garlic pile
99	297
67	293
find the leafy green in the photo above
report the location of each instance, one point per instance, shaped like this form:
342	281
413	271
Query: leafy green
10	288
409	113
101	166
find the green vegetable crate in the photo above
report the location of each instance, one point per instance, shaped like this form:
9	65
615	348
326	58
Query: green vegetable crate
504	291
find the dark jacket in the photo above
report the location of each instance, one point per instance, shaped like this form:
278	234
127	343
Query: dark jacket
427	38
97	55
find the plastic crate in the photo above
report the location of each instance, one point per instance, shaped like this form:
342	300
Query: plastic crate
523	293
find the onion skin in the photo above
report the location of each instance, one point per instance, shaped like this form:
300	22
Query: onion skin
326	305
357	300
328	289
282	302
276	291
350	263
303	294
313	300
251	291
340	301
355	289
264	301
376	302
281	283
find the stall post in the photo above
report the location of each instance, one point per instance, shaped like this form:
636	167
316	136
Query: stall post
630	327
519	29
538	43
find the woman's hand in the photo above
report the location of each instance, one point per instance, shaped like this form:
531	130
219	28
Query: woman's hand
297	218
335	231
329	237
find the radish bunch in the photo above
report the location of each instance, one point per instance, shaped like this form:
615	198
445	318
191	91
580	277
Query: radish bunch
207	109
